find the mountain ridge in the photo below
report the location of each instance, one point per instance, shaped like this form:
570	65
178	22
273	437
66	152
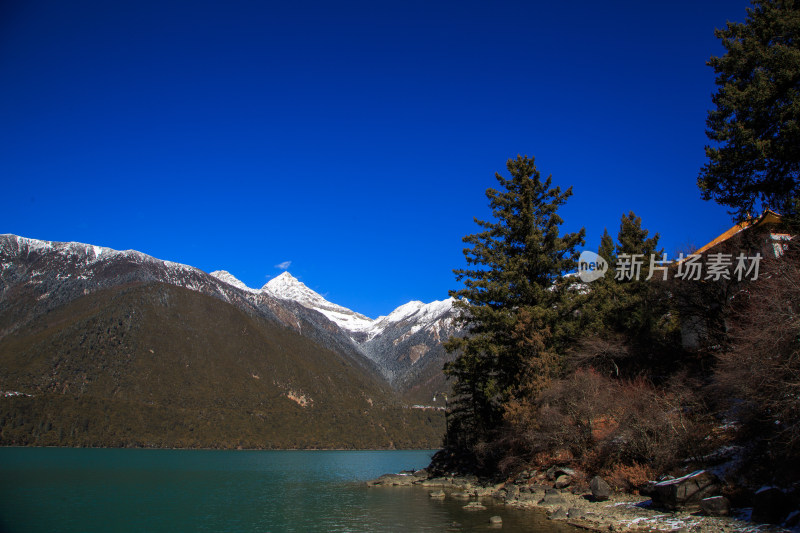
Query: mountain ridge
400	346
106	348
406	344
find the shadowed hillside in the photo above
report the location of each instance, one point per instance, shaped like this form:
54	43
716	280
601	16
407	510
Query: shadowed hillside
151	364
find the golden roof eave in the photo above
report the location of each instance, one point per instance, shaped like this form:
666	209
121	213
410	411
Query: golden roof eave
769	217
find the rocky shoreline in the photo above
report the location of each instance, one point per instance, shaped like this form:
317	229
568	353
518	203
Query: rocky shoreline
592	508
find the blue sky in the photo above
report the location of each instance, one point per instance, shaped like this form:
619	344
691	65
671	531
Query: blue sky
352	139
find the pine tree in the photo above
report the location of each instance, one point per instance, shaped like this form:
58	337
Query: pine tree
755	127
606	250
634	244
632	238
514	300
630	315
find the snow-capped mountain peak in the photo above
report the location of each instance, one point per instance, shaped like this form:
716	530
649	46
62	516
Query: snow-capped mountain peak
421	314
287	287
405	346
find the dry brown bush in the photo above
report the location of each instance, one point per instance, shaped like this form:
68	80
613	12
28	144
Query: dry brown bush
628	478
605	424
604	353
760	373
658	427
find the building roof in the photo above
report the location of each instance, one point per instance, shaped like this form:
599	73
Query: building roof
769	217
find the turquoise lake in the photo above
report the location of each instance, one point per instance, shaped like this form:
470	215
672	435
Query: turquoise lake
108	490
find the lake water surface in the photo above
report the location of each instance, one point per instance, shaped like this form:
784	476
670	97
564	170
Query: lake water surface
103	490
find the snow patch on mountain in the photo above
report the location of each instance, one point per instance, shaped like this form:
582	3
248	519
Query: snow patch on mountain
87	254
420	315
230	279
53	262
287	287
53	269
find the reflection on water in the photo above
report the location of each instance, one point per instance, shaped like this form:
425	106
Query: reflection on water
87	490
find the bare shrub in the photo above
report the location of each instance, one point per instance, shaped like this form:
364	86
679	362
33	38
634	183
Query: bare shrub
628	478
658	427
760	372
571	408
604	353
604	424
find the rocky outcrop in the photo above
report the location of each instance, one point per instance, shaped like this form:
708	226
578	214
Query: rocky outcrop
405	346
619	512
715	506
686	492
393	480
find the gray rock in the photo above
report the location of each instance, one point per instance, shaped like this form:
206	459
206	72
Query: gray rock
495	520
562	481
392	479
648	489
558	514
574	512
466	481
437	482
601	490
461	495
716	506
500	494
437	494
421	474
475	506
686	492
554	471
552	499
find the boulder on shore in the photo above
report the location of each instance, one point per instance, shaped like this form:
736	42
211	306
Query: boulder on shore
475	506
601	491
437	482
716	506
555	471
686	492
392	480
562	481
552	499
